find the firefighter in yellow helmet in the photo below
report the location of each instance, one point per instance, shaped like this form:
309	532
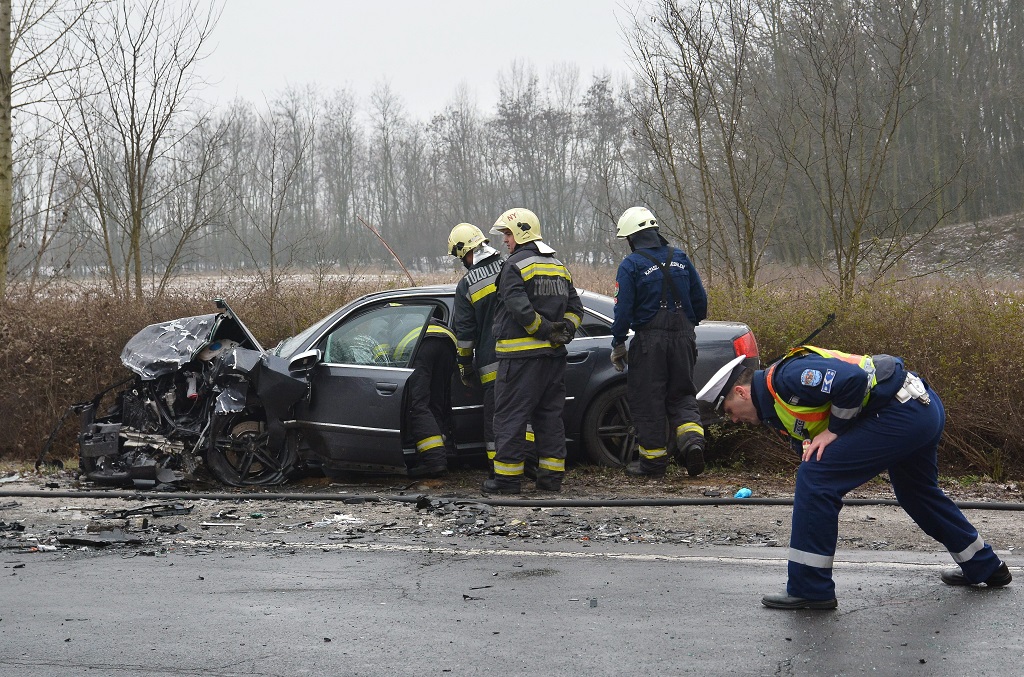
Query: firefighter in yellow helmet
538	312
473	319
659	295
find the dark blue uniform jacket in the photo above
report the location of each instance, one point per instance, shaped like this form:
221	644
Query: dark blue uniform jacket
812	380
638	290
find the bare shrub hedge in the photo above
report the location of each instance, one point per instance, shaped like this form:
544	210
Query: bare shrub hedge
965	339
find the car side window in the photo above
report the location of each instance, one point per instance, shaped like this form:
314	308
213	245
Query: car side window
593	326
384	336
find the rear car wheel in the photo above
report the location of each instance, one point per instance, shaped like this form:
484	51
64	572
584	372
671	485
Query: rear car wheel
240	455
609	437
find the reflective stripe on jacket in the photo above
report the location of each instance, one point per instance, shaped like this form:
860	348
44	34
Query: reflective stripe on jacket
534	290
473	320
434	330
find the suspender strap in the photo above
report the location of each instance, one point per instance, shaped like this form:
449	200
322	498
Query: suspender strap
666	289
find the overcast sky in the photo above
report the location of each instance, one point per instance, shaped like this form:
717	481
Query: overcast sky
423	48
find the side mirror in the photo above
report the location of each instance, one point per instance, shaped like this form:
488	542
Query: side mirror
305	361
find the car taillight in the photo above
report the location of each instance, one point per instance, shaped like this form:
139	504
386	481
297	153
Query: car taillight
746	345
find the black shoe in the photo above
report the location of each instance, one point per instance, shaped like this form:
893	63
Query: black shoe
641	469
530	469
693	459
420	472
549	484
502	486
1001	577
785	601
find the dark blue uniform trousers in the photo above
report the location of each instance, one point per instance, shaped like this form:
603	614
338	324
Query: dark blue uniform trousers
901	439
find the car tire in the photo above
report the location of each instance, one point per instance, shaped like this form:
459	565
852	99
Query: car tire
239	454
609	437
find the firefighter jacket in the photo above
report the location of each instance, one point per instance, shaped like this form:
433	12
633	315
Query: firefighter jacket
435	329
812	389
475	299
534	290
638	289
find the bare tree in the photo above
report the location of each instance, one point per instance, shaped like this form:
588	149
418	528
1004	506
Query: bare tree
849	78
129	115
34	48
699	111
265	189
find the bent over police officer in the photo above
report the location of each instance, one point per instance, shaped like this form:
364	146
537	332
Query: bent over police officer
659	295
852	417
537	314
475	299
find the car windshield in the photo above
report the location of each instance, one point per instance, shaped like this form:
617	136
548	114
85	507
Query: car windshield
288	346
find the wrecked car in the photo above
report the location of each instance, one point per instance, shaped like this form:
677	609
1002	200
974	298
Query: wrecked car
332	398
204	390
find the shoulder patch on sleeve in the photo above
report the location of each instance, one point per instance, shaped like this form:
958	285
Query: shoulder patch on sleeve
810	377
830	376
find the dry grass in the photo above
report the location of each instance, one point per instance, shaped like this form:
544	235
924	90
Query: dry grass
965	338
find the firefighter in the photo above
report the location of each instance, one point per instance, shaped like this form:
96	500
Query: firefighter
473	319
429	396
659	295
538	312
852	417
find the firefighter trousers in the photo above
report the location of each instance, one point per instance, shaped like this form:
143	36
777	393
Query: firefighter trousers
428	388
529	391
901	439
659	385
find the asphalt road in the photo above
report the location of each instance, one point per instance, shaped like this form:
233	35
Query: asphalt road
458	608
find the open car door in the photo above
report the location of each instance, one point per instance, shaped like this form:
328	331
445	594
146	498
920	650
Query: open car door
353	417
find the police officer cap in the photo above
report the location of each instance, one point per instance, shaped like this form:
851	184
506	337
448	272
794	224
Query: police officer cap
718	387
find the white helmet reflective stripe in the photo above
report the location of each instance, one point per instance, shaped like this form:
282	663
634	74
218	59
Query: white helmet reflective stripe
522	223
635	219
464	238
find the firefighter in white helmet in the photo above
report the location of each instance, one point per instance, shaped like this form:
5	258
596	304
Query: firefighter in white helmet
473	319
538	312
659	295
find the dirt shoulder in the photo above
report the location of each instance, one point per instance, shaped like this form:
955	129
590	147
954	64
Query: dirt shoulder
383	510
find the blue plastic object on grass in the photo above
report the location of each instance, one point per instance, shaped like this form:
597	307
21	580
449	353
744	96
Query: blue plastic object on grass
743	493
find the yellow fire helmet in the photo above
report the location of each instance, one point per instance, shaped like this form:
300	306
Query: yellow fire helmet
464	238
523	224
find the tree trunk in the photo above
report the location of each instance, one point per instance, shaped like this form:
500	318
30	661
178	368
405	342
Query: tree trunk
6	156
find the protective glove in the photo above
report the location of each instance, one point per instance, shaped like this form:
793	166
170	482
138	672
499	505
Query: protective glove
619	357
468	375
559	334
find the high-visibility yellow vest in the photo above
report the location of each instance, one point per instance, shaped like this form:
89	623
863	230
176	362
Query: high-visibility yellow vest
814	419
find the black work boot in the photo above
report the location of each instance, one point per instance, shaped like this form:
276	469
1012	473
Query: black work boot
645	468
503	485
432	464
421	472
549	481
998	579
691	453
530	468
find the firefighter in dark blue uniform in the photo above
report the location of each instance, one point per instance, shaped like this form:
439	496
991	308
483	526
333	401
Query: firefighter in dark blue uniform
473	319
659	295
852	417
537	314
